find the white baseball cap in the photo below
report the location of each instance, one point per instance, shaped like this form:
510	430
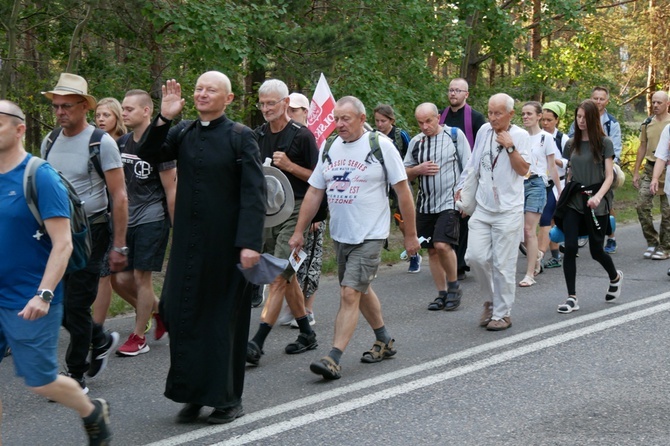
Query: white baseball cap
298	100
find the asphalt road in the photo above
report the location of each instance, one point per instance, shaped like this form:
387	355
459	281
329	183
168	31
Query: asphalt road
598	376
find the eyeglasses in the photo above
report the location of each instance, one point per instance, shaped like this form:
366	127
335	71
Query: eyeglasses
65	107
269	104
457	91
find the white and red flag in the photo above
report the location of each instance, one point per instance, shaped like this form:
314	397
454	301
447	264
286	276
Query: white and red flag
320	118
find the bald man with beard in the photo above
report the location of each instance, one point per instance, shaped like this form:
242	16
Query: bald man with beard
218	223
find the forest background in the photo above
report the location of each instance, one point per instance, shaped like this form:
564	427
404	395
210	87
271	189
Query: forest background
400	52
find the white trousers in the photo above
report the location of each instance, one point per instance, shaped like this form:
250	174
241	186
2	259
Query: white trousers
493	248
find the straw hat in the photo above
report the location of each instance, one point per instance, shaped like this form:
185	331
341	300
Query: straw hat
71	84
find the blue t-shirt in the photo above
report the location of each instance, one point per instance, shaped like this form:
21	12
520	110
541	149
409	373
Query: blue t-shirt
25	250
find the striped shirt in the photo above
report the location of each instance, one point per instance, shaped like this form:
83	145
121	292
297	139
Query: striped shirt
436	192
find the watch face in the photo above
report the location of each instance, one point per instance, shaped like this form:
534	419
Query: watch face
46	295
510	149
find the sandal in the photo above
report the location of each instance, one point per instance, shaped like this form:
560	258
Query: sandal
539	264
614	289
438	303
569	306
527	281
379	352
327	368
453	300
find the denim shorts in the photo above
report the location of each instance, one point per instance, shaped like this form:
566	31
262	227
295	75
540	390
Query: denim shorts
357	265
535	195
34	344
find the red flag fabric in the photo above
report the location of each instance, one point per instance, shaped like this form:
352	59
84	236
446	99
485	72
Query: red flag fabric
320	118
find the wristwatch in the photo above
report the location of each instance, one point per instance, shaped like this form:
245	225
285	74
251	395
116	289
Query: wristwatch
123	250
510	149
46	295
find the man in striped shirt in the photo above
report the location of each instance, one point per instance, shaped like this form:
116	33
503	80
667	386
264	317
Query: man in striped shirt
436	157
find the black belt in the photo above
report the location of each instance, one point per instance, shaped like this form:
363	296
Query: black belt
533	176
562	178
100	217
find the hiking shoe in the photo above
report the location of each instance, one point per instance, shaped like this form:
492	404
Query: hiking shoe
97	424
327	368
310	318
553	263
610	246
379	352
415	264
569	306
133	346
305	341
189	413
614	289
223	416
461	276
487	314
660	254
160	331
257	296
649	252
285	315
100	355
254	353
499	324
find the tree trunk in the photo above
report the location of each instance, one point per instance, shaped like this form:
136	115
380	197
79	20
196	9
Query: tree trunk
9	65
75	42
653	56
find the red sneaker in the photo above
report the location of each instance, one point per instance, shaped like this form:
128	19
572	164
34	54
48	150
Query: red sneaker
160	330
133	346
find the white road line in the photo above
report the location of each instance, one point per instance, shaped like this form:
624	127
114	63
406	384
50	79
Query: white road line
440	362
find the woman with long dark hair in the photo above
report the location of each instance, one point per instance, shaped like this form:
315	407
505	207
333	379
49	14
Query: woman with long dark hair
584	205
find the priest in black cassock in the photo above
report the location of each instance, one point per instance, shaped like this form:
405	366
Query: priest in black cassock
219	215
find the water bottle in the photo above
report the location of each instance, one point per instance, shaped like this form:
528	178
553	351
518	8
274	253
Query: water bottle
404	256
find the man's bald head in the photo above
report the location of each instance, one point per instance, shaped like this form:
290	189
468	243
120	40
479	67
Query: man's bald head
428	118
212	95
659	104
13	111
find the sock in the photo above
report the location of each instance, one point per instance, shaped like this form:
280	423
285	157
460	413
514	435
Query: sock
336	354
303	324
382	334
261	334
452	285
555	253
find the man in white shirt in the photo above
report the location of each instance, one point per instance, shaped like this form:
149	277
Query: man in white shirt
500	159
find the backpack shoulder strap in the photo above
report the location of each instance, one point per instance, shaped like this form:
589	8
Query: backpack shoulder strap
187	128
324	154
454	139
30	187
51	139
94	151
237	140
559	141
123	140
289	136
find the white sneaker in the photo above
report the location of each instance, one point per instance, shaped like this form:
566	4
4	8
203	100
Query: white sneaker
285	316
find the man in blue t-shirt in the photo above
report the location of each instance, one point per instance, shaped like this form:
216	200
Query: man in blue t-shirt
30	312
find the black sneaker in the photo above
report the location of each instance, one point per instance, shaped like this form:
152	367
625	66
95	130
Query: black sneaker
189	413
254	353
100	355
302	344
257	296
97	424
223	416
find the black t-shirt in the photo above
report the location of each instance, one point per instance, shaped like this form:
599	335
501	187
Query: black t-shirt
302	151
457	119
146	197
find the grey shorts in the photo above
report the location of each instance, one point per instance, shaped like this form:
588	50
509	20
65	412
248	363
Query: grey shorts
276	240
357	265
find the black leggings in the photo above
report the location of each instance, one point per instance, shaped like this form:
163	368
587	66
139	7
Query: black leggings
572	221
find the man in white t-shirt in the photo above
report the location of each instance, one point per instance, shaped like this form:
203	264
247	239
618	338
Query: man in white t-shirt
662	153
350	170
500	156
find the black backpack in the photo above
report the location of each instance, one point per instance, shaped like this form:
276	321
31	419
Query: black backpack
79	226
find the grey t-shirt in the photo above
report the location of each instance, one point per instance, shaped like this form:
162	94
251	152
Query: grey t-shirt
588	172
70	156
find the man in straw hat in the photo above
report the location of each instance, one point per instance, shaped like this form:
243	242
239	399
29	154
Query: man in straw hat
218	223
31	295
292	149
357	183
68	151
